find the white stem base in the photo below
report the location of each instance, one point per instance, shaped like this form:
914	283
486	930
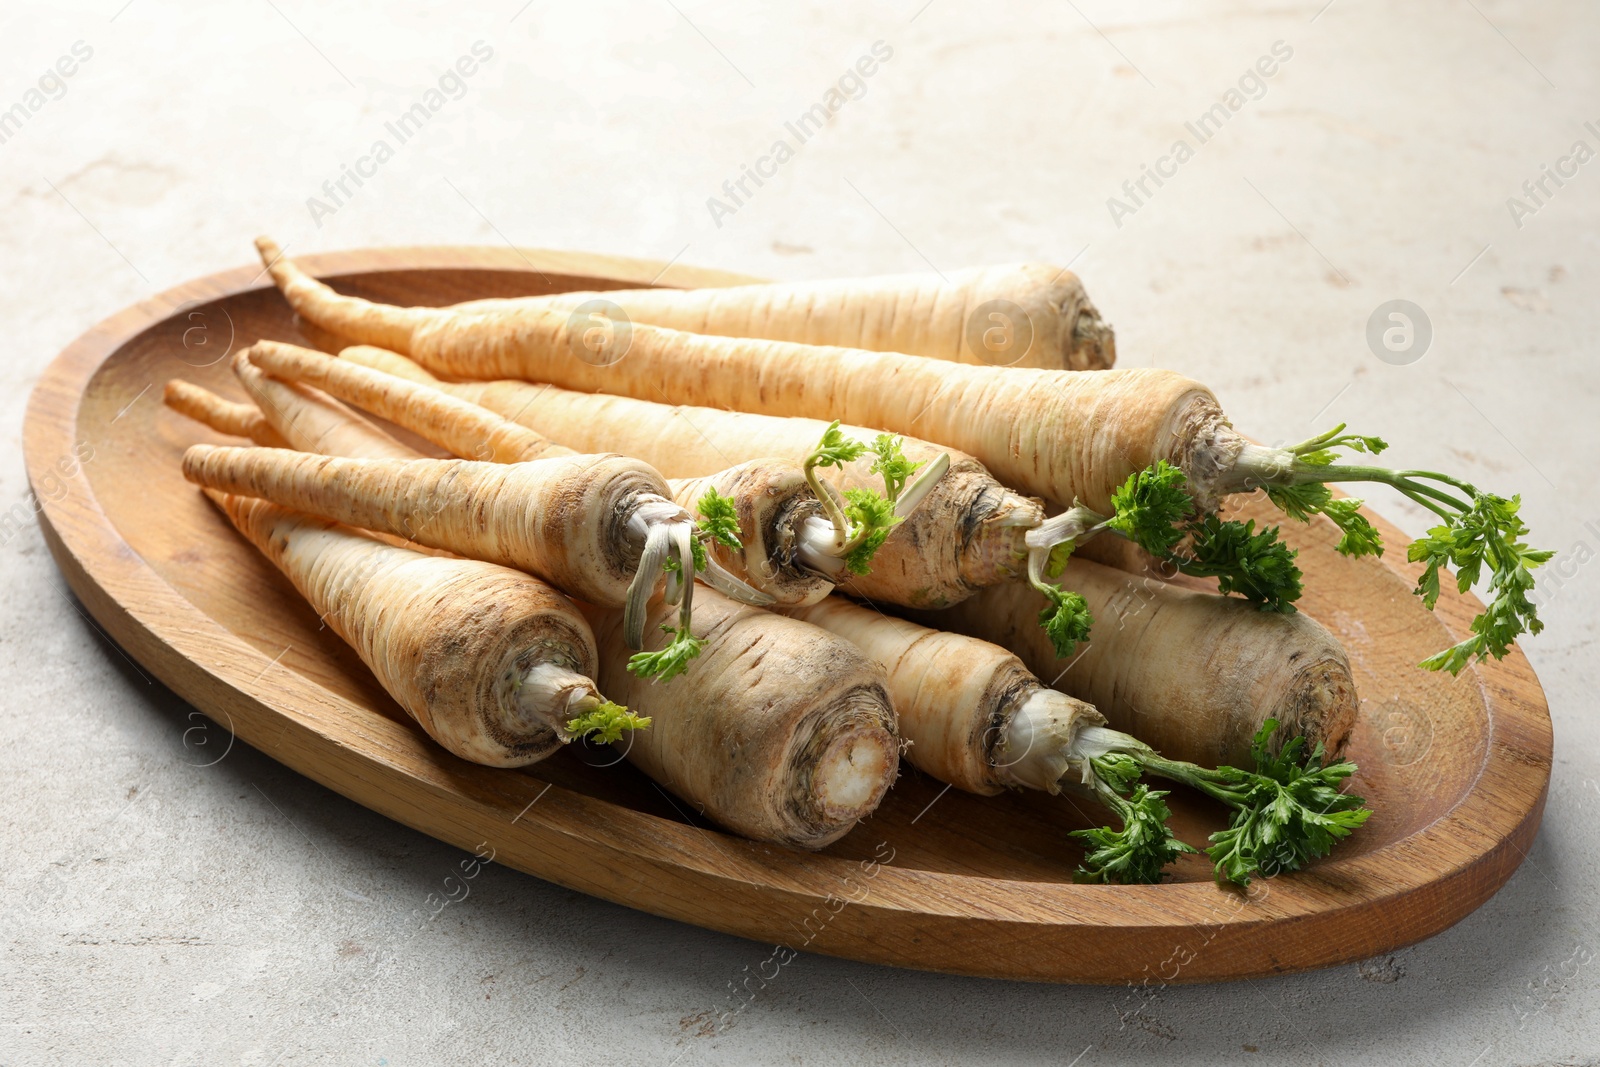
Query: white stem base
816	546
551	694
1051	738
1037	749
1254	467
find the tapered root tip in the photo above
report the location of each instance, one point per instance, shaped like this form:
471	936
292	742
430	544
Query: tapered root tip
269	250
269	349
194	458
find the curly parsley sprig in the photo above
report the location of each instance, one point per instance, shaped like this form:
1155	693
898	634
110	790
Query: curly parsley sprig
861	517
1136	853
678	549
605	723
1154	510
1481	532
671	660
1284	814
719	519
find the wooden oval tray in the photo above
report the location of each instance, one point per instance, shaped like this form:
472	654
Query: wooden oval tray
1456	770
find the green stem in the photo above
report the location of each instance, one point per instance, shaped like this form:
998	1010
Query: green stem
861	518
1314	443
1479	529
1196	777
1110	799
1404	481
1098	742
1143	845
832	505
1286	812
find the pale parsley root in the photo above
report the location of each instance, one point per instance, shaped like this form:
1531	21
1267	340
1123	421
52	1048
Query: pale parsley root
1285	813
1155	511
1480	531
605	723
858	521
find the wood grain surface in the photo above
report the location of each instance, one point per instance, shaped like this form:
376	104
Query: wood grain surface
1455	769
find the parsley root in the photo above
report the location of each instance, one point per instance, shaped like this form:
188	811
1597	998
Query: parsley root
779	731
911	568
797	555
598	527
312	421
464	430
224	416
975	717
492	663
1073	438
1024	315
1193	674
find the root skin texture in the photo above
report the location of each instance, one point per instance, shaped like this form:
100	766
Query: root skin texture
778	731
461	428
564	520
772	500
452	640
223	416
1192	674
955	697
312	421
917	314
1063	435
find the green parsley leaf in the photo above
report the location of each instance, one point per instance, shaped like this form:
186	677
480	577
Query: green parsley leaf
668	662
892	464
1065	619
1287	812
605	724
719	519
871	517
835	449
1256	565
1135	854
1487	534
1151	508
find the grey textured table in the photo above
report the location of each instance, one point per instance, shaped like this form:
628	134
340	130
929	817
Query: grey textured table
158	911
